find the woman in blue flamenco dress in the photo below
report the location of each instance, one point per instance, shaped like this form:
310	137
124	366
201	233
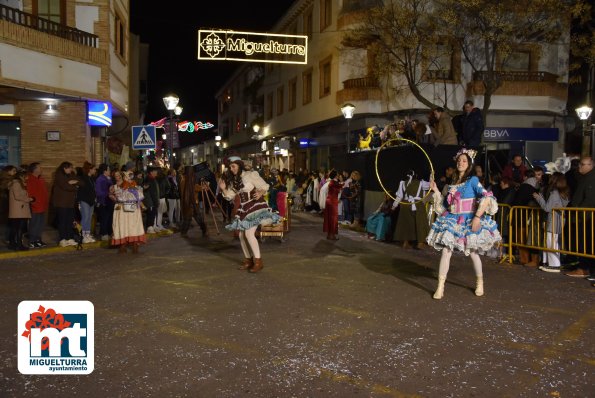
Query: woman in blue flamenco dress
252	211
464	221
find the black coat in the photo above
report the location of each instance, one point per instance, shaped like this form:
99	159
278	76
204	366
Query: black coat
472	128
86	191
584	196
151	192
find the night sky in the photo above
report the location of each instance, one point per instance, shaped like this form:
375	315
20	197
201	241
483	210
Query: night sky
171	30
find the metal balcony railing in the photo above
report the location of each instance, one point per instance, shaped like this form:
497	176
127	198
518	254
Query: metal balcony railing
518	76
45	25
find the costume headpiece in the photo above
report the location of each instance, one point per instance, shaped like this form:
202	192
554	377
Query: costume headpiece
469	152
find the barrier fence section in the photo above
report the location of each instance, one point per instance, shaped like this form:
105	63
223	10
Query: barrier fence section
526	228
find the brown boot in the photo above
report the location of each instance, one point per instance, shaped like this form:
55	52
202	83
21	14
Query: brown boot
135	246
122	248
257	265
247	264
534	263
523	255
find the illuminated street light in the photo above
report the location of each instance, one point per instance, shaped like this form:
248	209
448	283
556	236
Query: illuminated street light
171	103
348	110
584	113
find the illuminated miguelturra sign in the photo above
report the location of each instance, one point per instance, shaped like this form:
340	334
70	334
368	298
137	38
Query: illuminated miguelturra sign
216	45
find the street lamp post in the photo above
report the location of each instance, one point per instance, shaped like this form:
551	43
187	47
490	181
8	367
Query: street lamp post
588	149
348	110
171	102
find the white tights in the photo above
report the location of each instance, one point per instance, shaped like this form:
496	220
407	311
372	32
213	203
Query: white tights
250	243
445	262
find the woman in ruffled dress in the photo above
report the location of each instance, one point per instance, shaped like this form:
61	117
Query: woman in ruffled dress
464	220
128	222
252	211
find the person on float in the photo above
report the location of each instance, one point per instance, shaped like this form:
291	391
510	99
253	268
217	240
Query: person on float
464	220
252	211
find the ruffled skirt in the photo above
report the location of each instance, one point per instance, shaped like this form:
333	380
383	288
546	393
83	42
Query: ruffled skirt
454	232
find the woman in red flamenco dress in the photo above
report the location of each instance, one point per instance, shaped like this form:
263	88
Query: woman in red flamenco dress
331	209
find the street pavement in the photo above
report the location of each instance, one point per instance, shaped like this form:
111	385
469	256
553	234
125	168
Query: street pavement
346	318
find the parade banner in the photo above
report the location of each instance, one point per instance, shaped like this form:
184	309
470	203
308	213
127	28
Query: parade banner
229	45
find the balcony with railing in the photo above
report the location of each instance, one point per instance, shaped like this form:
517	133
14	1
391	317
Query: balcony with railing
521	83
31	21
359	89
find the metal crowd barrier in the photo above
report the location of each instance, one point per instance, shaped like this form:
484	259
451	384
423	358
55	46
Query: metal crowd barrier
527	229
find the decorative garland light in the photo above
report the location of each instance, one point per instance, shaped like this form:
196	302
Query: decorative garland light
187	126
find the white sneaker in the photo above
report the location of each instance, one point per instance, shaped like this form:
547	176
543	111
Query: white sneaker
151	230
63	243
104	237
88	239
71	242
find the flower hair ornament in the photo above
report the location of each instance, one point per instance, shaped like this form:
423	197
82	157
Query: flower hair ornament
469	152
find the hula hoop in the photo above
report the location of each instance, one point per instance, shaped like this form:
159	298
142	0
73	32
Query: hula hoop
378	175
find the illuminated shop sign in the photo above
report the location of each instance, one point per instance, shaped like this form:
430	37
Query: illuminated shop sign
521	134
230	45
99	113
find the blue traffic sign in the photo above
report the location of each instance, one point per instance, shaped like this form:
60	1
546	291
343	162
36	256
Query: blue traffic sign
143	137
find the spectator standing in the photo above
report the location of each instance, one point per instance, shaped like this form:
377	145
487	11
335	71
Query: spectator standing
63	199
472	125
524	197
6	177
557	195
37	190
445	132
173	198
162	208
105	206
584	197
151	200
18	210
87	198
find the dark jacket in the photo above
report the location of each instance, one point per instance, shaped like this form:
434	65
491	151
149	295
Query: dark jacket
524	195
86	191
584	196
472	128
151	192
163	186
173	189
63	193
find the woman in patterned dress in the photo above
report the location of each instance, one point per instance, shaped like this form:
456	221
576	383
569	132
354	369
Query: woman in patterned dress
464	222
128	222
252	211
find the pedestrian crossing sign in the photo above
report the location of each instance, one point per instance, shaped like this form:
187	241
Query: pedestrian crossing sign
143	137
